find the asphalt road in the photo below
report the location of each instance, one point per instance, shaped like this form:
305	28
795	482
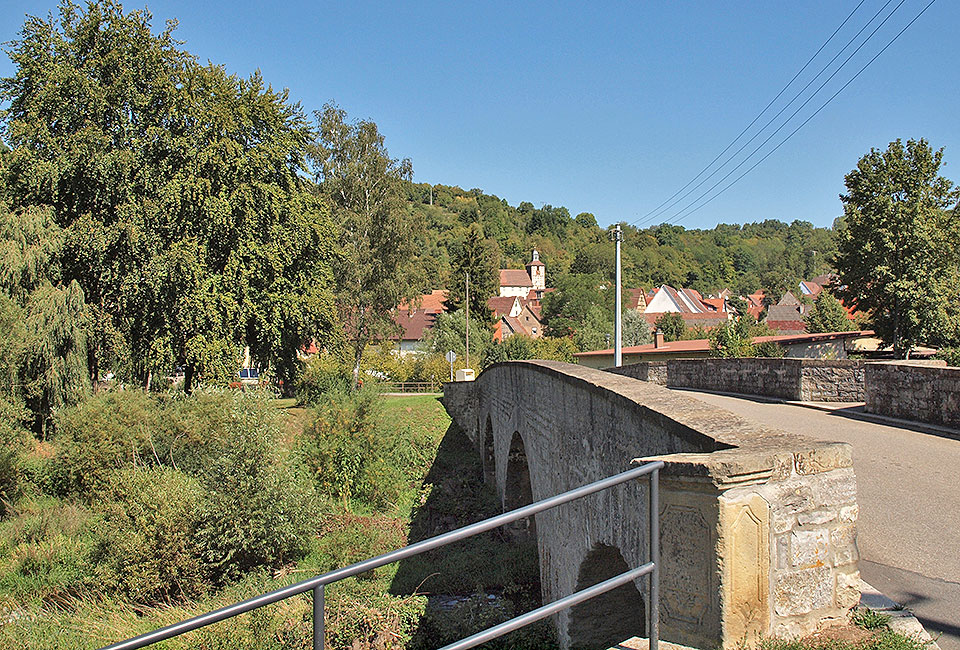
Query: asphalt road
908	489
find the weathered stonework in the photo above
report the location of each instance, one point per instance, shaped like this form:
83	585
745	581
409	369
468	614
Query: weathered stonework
757	525
925	392
809	380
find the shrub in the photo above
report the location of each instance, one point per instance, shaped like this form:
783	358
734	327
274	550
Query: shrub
48	548
950	355
147	549
107	432
13	444
341	448
770	349
324	374
258	508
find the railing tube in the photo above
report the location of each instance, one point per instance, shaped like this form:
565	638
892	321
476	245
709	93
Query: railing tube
653	629
318	617
551	608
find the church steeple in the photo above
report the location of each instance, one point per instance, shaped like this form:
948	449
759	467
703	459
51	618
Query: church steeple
537	272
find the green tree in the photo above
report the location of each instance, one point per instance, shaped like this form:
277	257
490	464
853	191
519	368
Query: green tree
828	315
565	310
732	339
898	255
635	330
595	331
672	326
178	193
377	239
450	332
477	257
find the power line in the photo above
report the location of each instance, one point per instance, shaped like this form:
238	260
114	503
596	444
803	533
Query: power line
792	115
657	210
784	108
802	124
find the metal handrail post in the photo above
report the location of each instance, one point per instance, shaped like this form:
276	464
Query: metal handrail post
318	617
654	627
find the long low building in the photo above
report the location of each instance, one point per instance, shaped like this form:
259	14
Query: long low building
829	345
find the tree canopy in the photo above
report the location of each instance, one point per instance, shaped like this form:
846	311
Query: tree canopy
898	258
177	202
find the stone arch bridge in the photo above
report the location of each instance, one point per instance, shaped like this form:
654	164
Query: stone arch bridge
758	527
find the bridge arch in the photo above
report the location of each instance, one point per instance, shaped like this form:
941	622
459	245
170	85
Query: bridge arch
518	490
613	617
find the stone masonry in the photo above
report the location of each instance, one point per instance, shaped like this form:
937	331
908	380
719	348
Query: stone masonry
758	526
922	391
810	380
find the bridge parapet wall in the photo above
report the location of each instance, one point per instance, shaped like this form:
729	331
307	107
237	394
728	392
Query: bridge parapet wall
922	391
758	526
810	380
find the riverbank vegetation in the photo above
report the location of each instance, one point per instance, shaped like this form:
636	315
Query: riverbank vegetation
146	509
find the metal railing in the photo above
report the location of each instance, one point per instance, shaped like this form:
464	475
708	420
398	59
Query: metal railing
317	584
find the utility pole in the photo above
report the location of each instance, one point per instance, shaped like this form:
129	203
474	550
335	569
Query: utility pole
468	320
617	324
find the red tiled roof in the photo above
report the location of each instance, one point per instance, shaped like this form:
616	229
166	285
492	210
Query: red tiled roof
500	305
715	303
787	326
515	325
415	324
704	320
703	345
532	294
430	302
514	278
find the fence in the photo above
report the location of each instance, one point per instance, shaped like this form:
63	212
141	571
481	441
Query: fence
317	584
409	387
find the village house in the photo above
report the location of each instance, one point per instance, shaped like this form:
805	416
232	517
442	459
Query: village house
517	309
832	345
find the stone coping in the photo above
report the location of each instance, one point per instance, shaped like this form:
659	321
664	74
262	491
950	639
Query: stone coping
740	447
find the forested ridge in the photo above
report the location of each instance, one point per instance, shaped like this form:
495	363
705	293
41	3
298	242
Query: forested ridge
767	255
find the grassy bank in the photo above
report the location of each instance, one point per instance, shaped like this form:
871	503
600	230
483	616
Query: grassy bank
143	511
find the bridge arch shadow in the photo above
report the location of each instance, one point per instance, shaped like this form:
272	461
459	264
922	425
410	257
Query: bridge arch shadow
489	457
613	617
518	491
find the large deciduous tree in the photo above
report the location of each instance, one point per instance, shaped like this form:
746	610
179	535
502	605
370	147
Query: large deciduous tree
374	268
178	192
898	257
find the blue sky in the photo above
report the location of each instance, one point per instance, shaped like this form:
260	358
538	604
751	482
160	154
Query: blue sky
603	107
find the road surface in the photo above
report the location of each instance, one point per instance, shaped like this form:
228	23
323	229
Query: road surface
908	489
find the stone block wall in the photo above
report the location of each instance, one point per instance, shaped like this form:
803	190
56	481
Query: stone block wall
460	400
652	371
831	381
923	392
751	376
809	380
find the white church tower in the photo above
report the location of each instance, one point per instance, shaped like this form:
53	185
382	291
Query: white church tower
537	272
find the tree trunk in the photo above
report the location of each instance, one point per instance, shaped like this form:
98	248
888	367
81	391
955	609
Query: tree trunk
188	372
